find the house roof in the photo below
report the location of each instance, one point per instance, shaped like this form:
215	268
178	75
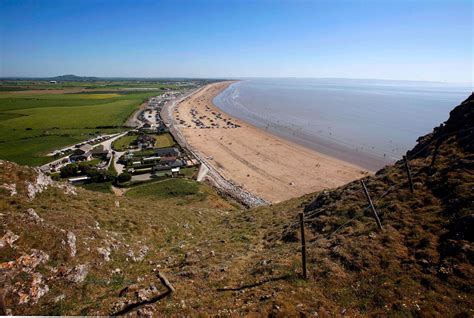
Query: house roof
86	148
99	149
167	151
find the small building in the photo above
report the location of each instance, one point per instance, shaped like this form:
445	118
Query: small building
167	165
145	141
151	159
167	152
83	153
53	82
100	152
175	172
79	180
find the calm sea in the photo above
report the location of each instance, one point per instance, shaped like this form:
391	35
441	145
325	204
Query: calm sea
367	122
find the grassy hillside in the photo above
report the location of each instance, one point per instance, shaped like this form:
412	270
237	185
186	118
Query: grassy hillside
31	125
95	254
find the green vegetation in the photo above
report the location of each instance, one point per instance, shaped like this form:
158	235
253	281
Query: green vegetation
123	142
111	169
188	172
84	168
124	177
247	262
165	189
164	141
31	125
90	85
92	162
104	187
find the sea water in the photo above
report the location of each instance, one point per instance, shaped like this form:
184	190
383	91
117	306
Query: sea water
371	123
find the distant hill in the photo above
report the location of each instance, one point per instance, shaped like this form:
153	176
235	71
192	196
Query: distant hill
74	78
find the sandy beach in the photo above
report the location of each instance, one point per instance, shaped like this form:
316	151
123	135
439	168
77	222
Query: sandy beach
272	168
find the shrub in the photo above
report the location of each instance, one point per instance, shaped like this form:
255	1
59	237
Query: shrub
124	177
69	170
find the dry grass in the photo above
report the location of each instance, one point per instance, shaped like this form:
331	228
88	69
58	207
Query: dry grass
420	265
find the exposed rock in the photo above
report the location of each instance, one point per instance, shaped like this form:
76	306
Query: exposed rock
117	204
104	252
38	289
71	242
147	293
141	254
29	262
59	298
10	187
9	238
67	188
117	271
78	273
42	183
33	215
145	312
129	289
23	298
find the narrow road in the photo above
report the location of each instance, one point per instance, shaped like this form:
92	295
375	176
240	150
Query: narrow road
106	143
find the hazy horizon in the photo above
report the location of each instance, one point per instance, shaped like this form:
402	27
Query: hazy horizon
238	78
387	40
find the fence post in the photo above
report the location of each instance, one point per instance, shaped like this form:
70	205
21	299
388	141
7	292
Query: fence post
303	246
407	168
376	216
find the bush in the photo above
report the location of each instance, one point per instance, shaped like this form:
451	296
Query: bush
69	170
124	177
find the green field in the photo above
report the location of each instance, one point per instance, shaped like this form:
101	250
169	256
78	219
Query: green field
124	142
164	141
32	125
161	141
45	85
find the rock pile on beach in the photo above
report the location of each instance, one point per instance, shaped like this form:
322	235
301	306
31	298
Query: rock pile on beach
233	190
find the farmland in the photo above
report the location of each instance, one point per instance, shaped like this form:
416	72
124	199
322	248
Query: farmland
82	85
31	125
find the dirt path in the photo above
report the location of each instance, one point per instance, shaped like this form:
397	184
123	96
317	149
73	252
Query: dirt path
119	191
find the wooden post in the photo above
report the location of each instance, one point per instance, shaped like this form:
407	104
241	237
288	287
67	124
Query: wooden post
165	281
303	246
407	168
376	216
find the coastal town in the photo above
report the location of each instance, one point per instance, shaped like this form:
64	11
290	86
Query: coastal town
182	134
148	151
153	149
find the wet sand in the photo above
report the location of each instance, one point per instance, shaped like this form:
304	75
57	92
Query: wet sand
271	167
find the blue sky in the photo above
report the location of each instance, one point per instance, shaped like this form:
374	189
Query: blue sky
414	40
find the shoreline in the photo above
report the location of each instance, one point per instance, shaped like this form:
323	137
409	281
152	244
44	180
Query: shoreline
272	167
325	145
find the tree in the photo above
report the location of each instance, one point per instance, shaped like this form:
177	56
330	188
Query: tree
124	177
69	170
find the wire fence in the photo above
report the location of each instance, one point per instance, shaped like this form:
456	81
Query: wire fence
395	187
